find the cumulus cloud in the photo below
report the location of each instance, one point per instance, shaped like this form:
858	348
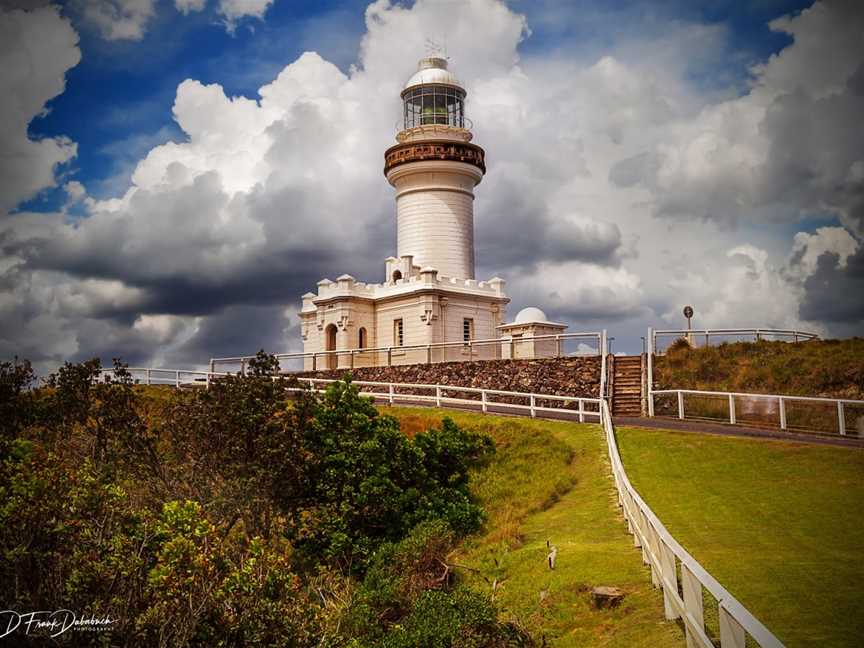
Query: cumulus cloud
791	145
36	50
189	6
221	231
117	19
234	10
581	292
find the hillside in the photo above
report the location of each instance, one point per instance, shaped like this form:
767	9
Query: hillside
831	368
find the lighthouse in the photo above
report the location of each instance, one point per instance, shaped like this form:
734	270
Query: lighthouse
434	169
430	307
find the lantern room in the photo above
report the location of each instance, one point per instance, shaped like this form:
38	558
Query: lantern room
433	96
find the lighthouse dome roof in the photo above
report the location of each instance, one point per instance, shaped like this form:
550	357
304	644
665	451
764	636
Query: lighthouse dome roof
433	71
530	314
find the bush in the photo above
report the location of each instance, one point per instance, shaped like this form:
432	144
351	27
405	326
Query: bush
250	513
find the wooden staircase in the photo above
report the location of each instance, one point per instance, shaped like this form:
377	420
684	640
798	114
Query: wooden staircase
627	386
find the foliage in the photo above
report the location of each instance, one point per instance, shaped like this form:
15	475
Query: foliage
370	483
248	513
831	368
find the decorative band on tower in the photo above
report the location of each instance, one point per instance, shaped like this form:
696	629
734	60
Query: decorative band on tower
434	150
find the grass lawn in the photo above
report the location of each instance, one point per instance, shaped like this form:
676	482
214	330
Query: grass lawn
779	524
551	481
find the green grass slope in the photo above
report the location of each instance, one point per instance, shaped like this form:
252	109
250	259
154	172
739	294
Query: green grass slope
551	481
778	524
832	368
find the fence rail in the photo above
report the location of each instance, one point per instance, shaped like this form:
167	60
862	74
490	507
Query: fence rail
680	576
550	346
673	569
741	408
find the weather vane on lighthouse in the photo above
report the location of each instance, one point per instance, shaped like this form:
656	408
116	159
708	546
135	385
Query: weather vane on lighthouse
433	49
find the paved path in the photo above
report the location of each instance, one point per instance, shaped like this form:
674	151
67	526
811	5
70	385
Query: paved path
735	430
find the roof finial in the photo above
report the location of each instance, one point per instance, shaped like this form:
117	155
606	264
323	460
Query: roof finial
434	50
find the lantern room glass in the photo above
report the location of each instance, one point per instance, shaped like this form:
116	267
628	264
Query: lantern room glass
434	104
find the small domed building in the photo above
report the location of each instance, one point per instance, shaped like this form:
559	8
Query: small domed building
521	336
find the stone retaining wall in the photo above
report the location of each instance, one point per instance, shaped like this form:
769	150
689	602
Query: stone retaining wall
557	376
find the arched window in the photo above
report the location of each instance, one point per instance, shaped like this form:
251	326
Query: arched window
330	345
397	275
361	338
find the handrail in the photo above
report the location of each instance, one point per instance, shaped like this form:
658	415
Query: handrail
757	332
418	347
733	331
659	549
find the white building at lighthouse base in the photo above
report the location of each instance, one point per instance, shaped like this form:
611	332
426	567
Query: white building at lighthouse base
401	320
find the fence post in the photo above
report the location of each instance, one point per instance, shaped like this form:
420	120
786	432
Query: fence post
352	358
177	378
533	405
731	633
692	602
243	366
668	580
651	372
602	344
582	411
731	409
437	396
314	359
841	418
782	408
390	392
557	346
428	354
680	404
148	376
389	356
483	400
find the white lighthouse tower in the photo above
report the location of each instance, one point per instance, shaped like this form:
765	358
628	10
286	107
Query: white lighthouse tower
429	295
434	169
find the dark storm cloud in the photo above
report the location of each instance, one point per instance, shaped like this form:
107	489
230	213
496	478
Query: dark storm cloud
834	293
238	330
516	230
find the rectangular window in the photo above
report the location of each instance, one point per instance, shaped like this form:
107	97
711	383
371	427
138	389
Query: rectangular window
467	329
398	333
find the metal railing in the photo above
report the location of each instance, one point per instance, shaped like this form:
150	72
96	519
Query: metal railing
173	377
741	408
673	569
676	572
705	337
538	346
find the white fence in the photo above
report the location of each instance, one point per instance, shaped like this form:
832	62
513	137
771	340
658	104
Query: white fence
674	570
683	580
820	415
537	346
485	400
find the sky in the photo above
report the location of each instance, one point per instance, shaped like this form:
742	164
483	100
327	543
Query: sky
175	174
